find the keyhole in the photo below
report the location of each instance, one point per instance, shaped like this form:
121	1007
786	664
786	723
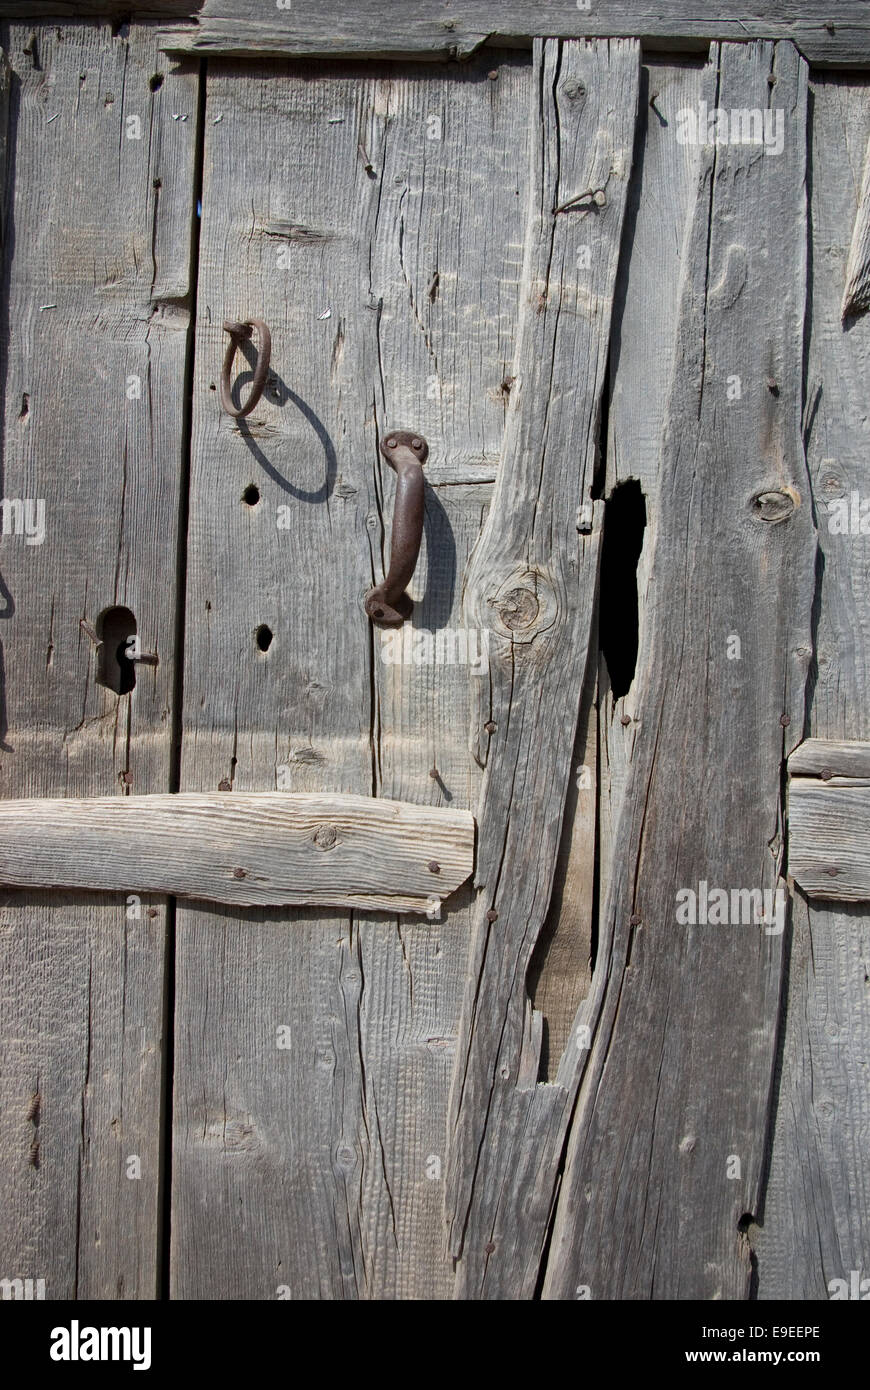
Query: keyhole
115	668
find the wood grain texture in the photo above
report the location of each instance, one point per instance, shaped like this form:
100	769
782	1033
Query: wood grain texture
661	205
100	9
829	837
395	305
266	848
816	1220
96	279
424	30
856	295
830	757
532	585
684	1018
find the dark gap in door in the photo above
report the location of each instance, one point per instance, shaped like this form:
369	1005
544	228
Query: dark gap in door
165	1194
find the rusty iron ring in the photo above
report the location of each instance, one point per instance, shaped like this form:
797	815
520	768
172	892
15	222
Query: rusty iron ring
240	333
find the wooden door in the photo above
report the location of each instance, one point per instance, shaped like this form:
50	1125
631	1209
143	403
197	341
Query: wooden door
570	1079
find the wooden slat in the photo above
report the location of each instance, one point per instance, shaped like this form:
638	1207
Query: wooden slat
117	10
532	585
817	1207
659	220
856	295
685	1023
343	1156
98	229
264	848
830	757
840	35
445	267
829	837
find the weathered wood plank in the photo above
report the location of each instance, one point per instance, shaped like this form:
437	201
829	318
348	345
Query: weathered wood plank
829	837
830	757
532	585
326	1176
644	339
422	30
856	295
445	268
94	346
684	1021
816	1224
124	13
264	848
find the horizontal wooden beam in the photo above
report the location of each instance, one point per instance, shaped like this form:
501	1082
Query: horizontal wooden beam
829	819
832	34
826	757
246	849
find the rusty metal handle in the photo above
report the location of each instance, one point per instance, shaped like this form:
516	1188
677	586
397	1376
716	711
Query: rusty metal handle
239	333
387	604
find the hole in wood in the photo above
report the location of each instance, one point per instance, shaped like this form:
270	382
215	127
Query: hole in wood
115	667
251	495
624	526
263	637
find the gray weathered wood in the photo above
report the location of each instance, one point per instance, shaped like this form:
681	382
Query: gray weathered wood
830	757
816	1222
94	295
644	339
111	9
532	584
829	837
422	30
265	848
445	268
402	311
856	295
685	1017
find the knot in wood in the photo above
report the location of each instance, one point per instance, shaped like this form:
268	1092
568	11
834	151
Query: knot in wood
523	605
518	608
325	836
572	89
776	504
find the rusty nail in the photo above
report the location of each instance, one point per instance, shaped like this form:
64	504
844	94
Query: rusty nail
635	919
391	443
434	773
626	720
785	720
492	75
826	774
225	785
239	873
489	1248
832	872
434	866
492	915
489	726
